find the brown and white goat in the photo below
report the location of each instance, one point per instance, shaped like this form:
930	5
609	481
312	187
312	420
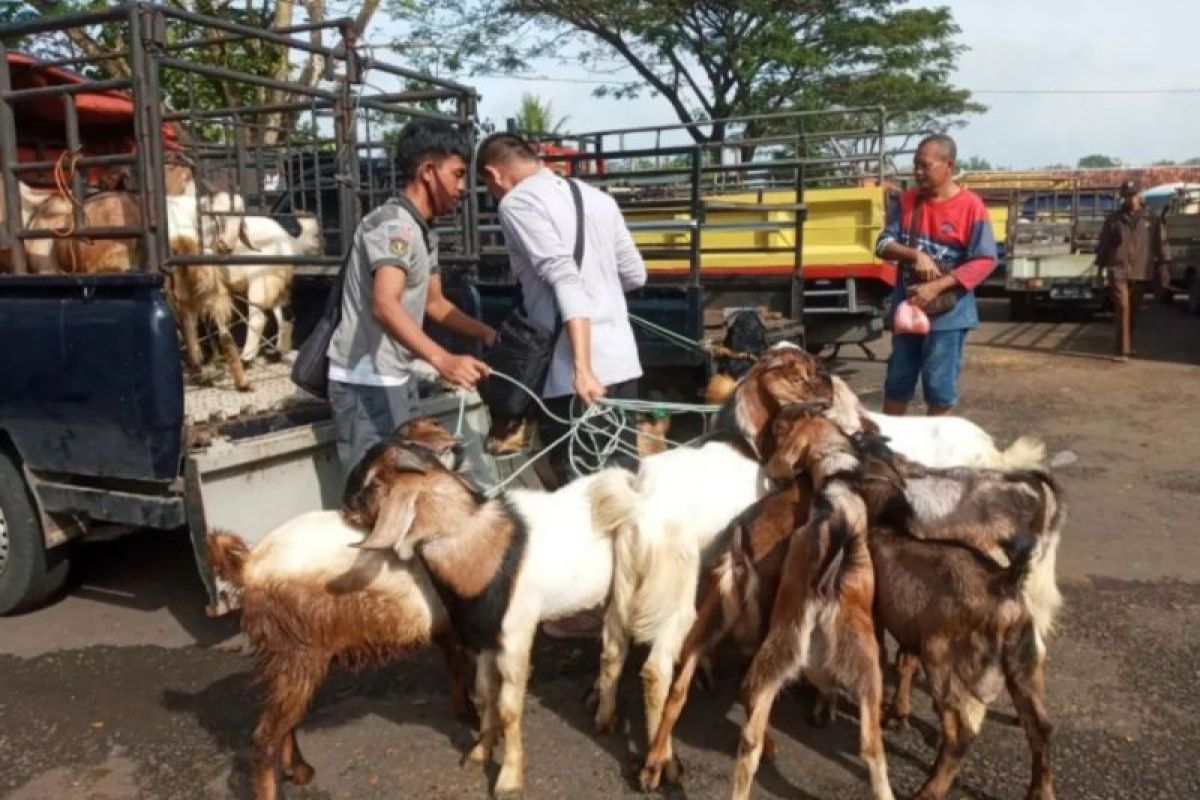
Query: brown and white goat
966	617
681	501
310	597
501	567
821	627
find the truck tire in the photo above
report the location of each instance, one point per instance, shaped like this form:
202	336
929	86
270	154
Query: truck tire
1020	306
28	573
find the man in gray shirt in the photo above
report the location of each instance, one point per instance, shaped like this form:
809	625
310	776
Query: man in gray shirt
598	356
392	283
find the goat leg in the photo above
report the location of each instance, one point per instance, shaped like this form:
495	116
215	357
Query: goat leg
513	665
614	651
1025	679
897	712
283	335
295	768
458	664
233	360
487	683
289	692
957	735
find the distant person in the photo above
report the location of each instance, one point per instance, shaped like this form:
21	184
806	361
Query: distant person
1131	250
941	236
392	284
597	356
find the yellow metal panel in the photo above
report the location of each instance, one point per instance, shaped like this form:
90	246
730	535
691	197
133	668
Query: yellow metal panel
840	229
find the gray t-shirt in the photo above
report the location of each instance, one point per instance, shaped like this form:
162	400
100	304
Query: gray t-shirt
361	351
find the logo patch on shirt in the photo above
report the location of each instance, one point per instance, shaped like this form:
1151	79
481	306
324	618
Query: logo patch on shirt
399	235
947	228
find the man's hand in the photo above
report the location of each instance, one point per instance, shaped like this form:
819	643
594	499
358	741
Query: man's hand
489	337
587	387
462	371
923	294
925	267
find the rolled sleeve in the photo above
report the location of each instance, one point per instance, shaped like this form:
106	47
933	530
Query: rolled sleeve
526	227
631	268
891	228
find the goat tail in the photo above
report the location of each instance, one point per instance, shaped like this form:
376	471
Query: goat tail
1020	551
1027	452
226	555
614	500
1042	597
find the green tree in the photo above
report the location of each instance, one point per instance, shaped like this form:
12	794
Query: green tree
1098	160
537	116
1192	162
711	59
974	164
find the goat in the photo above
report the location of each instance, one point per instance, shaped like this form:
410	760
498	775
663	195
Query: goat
821	626
501	566
209	290
31	200
670	515
77	255
310	597
931	441
983	508
966	617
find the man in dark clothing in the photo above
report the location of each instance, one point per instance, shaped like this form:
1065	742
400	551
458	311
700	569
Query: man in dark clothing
1131	249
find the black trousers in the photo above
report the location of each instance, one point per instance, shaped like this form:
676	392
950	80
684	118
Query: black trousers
549	430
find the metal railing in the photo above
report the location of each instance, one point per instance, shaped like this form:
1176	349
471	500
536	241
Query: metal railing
283	146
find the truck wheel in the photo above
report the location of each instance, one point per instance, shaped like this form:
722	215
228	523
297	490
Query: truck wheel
28	573
1020	307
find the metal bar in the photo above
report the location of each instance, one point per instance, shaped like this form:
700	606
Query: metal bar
742	118
249	259
258	34
408	111
116	159
91	87
423	77
148	32
220	73
58	23
100	232
71	122
265	108
417	95
83	60
8	178
697	212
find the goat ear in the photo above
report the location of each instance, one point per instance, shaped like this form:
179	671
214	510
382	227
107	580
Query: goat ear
395	519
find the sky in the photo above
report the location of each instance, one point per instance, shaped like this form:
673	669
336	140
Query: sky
1013	45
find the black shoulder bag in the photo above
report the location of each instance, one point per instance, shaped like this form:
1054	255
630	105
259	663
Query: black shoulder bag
311	369
524	349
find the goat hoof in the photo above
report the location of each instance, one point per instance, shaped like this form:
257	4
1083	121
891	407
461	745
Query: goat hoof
893	720
479	754
301	774
1040	793
673	771
650	777
606	726
591	700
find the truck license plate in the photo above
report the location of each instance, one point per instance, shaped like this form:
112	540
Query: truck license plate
1070	293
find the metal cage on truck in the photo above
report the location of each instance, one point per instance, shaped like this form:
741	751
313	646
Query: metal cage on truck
98	425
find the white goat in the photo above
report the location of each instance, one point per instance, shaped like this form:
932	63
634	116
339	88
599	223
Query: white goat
934	441
502	566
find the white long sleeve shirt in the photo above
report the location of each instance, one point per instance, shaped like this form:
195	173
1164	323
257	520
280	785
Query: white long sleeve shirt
538	221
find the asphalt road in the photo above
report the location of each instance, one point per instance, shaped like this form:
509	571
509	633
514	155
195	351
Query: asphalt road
124	689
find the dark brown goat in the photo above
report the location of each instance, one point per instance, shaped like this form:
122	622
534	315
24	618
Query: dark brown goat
966	617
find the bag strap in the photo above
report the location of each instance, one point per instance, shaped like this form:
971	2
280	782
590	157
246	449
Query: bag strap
914	222
577	199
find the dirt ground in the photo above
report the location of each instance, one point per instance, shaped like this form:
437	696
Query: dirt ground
124	689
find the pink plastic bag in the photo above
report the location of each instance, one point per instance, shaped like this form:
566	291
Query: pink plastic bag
910	319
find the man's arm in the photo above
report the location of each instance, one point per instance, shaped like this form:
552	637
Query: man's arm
387	289
888	244
631	269
439	309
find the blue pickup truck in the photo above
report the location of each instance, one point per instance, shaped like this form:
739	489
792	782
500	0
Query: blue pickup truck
101	428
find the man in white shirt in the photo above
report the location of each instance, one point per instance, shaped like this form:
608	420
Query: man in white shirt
392	283
598	355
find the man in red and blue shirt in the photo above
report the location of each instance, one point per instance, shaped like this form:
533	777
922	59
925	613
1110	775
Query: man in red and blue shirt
941	236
